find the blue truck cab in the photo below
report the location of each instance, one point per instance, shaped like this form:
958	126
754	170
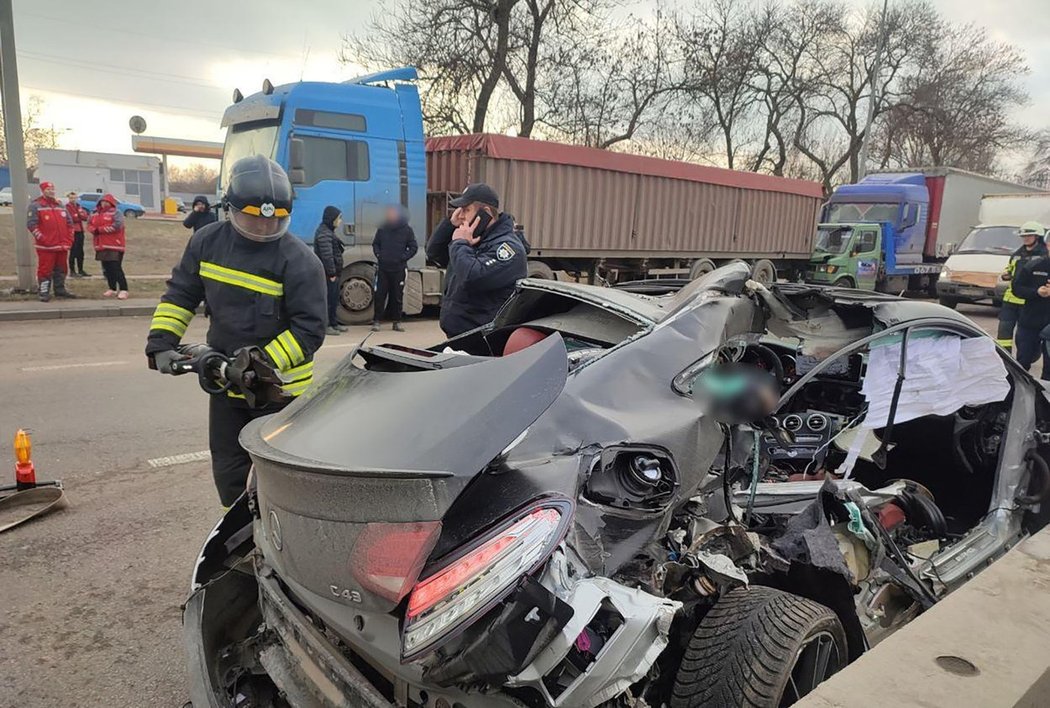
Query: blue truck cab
873	235
357	145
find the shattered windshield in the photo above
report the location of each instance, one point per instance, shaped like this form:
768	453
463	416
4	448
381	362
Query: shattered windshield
991	239
832	240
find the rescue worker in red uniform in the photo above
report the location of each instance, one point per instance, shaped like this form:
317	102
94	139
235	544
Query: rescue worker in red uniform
78	216
107	229
264	287
51	227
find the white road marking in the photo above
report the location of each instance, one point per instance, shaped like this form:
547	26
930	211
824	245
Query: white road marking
56	367
180	459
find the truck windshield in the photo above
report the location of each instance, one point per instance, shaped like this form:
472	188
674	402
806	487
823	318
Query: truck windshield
991	239
245	139
832	240
848	212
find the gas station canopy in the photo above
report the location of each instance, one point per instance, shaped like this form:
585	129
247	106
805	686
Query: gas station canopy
176	146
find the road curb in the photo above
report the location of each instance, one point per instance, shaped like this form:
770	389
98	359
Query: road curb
75	313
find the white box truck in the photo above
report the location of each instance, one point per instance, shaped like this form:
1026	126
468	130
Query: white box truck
973	272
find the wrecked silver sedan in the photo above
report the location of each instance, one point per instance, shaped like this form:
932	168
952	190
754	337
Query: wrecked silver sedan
713	497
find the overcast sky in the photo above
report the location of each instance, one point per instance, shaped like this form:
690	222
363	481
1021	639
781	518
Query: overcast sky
95	65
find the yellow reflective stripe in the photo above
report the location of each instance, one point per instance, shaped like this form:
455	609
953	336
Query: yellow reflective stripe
175	329
281	212
1005	343
298	372
295	352
231	394
276	352
174	311
168	323
298	387
239	278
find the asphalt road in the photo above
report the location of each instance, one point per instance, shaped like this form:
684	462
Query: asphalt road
90	596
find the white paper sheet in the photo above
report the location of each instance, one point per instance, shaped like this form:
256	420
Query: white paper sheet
943	374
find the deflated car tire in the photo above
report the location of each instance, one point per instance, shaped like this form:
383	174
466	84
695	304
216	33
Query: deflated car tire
759	648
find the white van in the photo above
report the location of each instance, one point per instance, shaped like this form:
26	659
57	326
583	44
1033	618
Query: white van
972	273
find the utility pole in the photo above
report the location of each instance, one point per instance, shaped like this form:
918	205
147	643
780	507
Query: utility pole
16	157
876	69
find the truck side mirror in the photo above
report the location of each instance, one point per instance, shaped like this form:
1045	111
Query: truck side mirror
295	154
297	176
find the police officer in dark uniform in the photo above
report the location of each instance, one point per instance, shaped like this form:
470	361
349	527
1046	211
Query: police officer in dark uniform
264	288
1032	283
484	257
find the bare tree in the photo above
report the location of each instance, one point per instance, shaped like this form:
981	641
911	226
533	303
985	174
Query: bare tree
830	127
1037	169
34	136
720	52
197	178
459	46
957	110
605	88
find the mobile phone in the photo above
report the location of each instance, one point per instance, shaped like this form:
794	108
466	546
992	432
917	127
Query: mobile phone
484	219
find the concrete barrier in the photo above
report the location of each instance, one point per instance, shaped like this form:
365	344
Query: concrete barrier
986	645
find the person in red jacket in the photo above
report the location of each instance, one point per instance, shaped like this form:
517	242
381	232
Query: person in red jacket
78	215
107	227
49	223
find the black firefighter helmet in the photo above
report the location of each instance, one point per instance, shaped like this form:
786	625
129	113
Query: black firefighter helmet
259	196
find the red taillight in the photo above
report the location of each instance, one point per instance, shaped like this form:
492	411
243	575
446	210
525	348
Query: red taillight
428	592
469	585
388	558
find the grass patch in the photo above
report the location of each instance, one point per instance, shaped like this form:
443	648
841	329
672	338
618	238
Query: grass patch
153	248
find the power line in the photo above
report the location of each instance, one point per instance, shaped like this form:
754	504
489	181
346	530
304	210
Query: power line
113	69
177	109
81	24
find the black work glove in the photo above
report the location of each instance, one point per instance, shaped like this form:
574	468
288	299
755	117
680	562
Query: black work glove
162	361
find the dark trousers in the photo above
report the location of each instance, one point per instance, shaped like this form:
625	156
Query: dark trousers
333	302
1031	343
1008	314
229	462
76	254
114	272
390	289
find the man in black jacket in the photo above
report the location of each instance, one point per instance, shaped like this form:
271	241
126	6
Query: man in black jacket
1032	283
329	249
393	246
484	255
200	215
264	288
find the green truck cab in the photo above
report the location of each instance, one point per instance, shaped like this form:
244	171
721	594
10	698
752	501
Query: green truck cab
846	256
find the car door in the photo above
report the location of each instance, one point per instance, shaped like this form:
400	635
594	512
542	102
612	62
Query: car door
865	252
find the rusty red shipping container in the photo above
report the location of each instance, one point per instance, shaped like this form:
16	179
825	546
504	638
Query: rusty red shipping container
581	202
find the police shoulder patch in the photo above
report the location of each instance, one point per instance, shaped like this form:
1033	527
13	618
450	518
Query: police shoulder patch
504	252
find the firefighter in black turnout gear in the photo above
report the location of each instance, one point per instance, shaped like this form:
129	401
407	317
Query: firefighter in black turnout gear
484	255
264	287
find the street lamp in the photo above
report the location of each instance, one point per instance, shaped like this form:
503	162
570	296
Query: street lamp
876	67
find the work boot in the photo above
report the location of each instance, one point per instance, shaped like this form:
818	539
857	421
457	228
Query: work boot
84	274
60	287
376	327
332	331
44	290
341	328
397	327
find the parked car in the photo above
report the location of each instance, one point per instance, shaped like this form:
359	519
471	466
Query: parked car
717	496
180	205
131	210
6	198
